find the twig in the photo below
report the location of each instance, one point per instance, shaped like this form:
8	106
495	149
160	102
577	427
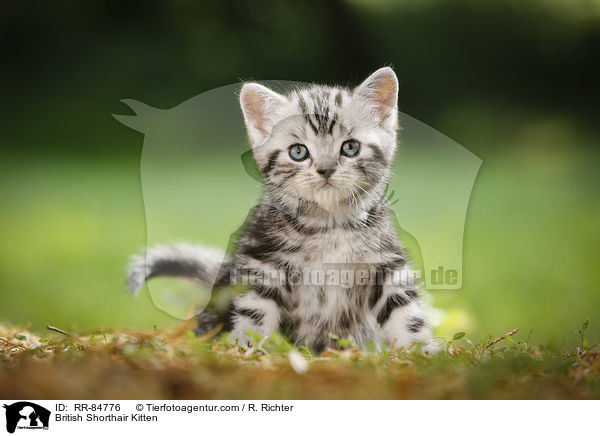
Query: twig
115	330
495	341
56	329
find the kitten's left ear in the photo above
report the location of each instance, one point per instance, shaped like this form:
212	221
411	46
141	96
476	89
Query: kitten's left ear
381	89
259	105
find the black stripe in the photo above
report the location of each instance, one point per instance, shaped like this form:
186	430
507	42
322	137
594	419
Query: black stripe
345	321
229	316
377	154
302	105
318	346
393	264
321	122
287	285
371	176
392	303
322	297
411	293
251	313
334	119
310	122
224	274
271	162
206	321
263	248
304	110
285	172
262	243
175	267
338	98
376	293
288	324
291	248
415	325
301	228
373	216
270	293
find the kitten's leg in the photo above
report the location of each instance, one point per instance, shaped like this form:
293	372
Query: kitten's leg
402	317
255	312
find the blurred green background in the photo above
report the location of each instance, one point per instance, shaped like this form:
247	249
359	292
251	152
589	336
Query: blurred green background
515	82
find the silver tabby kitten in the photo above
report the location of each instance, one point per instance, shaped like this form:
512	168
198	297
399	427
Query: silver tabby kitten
320	252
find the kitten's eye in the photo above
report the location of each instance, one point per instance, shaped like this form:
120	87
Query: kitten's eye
350	148
298	152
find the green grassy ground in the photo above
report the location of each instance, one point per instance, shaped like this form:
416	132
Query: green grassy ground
68	227
173	364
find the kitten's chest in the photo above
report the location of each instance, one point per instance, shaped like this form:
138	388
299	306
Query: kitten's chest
336	247
332	275
331	278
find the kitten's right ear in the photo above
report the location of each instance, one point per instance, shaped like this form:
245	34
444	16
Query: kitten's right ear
260	106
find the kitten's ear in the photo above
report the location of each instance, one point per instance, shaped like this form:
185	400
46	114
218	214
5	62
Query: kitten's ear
381	88
259	105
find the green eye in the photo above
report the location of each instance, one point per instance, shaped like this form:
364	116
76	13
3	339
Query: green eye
298	152
350	148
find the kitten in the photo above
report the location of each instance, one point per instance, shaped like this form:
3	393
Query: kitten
320	252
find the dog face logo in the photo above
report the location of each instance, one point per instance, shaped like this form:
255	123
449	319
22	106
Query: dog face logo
26	415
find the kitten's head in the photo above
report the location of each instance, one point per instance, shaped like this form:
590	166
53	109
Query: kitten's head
330	147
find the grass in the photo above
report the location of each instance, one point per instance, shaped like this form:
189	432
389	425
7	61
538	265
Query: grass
173	364
530	246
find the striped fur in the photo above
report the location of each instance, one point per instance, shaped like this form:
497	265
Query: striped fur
310	232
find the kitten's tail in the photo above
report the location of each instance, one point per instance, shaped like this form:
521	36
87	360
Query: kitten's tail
209	266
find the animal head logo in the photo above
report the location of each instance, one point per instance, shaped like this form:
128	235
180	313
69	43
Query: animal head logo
188	170
24	414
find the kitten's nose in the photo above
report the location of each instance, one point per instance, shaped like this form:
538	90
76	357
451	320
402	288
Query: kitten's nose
326	172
